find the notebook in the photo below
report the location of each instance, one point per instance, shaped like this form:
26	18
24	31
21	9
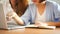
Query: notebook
42	27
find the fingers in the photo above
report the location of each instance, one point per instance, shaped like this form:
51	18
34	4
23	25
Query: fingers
41	24
9	16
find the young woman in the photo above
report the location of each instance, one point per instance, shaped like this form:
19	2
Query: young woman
41	12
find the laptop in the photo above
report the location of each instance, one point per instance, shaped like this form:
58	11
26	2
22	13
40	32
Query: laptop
3	21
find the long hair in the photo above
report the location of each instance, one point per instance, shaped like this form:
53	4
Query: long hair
19	6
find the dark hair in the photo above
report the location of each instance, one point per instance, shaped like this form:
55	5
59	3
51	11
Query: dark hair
41	1
19	6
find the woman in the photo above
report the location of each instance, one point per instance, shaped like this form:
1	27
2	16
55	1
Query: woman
41	12
19	6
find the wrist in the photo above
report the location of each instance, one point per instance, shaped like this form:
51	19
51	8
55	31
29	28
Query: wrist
14	16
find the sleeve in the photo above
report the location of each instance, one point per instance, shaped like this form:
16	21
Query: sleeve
57	12
26	17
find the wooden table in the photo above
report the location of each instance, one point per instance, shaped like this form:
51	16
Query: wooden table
31	31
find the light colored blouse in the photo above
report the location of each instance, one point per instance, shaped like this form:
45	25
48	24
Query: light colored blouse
52	13
40	18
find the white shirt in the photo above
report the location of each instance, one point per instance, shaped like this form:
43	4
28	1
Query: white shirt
40	18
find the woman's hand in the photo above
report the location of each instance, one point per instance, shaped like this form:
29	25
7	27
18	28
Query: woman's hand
41	24
10	16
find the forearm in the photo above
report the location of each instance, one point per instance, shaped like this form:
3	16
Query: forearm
54	23
18	20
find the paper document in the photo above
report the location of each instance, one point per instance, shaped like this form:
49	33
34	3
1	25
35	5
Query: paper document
44	27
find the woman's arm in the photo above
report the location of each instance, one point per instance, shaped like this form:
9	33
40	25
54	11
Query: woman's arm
54	23
23	20
47	23
13	15
56	15
18	20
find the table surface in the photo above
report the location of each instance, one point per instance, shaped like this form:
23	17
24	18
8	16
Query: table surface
31	31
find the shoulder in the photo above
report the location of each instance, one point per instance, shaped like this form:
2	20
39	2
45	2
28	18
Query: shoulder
30	8
52	3
31	5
